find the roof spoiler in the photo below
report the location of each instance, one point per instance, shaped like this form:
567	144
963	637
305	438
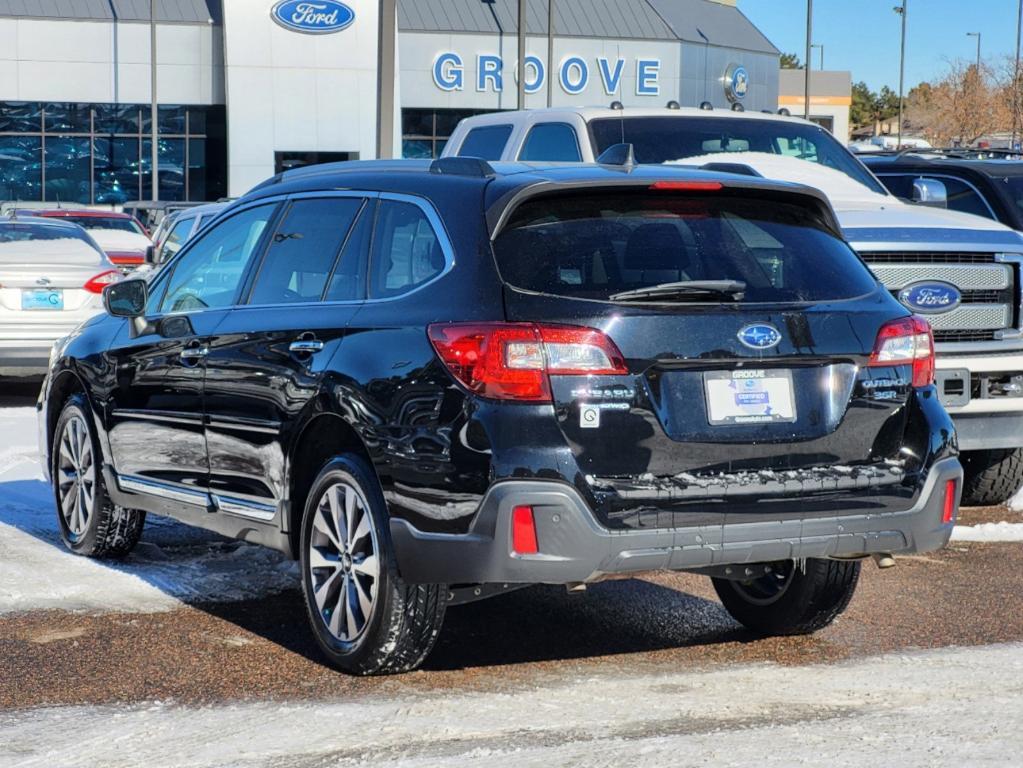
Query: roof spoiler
463	166
622	155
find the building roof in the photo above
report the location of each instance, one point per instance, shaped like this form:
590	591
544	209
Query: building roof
613	19
171	11
705	21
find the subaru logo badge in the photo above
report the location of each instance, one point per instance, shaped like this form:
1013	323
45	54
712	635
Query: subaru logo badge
314	17
759	336
931	297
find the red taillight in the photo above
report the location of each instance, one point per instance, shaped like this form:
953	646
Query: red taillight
949	512
687	186
524	531
908	341
512	361
102	280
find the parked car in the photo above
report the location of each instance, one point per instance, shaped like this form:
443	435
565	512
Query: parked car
962	180
179	227
963	272
51	277
120	236
432	383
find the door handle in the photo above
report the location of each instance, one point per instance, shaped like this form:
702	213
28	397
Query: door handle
305	347
193	354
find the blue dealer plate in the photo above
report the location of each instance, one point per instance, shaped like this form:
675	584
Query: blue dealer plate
42	299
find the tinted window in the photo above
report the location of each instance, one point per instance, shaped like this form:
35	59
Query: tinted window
665	139
303	250
209	273
961	196
406	250
486	142
176	238
348	282
592	246
551	142
28	243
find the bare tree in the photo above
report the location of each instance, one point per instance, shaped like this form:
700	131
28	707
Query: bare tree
963	106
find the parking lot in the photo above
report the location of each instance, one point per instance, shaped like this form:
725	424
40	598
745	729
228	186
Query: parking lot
194	651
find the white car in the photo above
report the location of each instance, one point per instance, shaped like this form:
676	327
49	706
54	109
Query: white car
120	236
963	273
52	275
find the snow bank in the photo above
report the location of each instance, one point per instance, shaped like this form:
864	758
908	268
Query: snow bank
950	707
1002	531
174	563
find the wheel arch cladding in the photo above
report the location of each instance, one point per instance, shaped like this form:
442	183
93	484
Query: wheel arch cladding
325	436
63	387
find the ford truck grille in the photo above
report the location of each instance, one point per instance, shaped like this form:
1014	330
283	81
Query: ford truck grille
987	286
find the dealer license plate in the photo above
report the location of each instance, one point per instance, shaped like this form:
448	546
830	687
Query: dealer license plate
42	299
749	396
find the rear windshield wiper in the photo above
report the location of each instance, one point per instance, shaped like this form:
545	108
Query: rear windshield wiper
686	289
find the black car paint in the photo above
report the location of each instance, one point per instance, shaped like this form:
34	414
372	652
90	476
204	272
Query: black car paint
987	177
238	421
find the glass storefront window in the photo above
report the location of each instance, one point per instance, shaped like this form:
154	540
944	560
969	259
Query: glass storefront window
116	170
117	118
68	118
68	170
21	168
425	132
100	153
20	117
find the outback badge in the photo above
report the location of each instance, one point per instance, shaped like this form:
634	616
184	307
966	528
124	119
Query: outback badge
759	336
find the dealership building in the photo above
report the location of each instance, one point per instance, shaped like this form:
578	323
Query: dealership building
246	88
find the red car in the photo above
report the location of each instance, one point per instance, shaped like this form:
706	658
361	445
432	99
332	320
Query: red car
120	235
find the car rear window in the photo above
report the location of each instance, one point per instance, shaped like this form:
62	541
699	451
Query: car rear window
595	245
105	222
23	242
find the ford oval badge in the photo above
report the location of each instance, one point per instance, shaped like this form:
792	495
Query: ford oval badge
931	297
759	336
314	17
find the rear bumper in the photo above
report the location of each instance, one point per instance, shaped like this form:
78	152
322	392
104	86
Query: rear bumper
574	547
28	357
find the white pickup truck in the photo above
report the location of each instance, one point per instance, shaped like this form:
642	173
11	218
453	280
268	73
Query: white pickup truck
962	272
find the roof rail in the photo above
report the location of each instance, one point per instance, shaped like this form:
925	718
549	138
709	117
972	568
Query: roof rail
463	166
622	155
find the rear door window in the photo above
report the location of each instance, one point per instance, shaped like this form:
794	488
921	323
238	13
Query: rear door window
551	142
407	252
486	142
304	249
594	245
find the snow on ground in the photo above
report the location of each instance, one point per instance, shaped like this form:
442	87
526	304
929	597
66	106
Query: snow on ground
1002	531
174	563
951	707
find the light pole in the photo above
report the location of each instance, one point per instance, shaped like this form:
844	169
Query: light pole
1015	76
806	66
550	52
818	45
155	154
901	10
522	55
386	54
976	35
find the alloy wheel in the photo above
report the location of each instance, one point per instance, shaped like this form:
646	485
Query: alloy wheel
76	476
768	588
344	566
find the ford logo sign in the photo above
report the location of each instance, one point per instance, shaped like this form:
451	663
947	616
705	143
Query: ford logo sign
931	298
314	17
759	336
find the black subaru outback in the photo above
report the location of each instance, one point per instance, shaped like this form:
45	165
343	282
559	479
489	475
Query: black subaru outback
431	383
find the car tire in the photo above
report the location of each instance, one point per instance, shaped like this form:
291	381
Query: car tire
90	523
793	599
366	619
992	477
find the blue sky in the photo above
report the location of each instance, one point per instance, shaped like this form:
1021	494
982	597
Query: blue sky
863	36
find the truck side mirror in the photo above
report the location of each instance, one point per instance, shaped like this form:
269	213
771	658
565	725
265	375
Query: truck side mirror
150	257
930	192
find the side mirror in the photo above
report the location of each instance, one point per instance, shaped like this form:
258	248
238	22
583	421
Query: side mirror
150	257
930	192
127	298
